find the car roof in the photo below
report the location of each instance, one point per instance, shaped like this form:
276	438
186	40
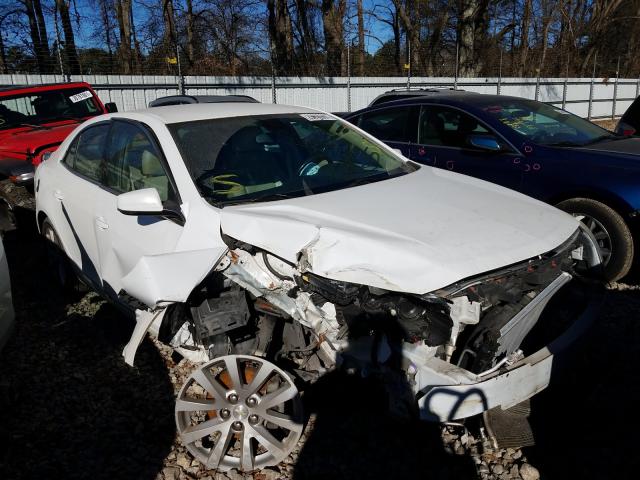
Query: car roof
206	111
190	99
457	98
417	93
13	89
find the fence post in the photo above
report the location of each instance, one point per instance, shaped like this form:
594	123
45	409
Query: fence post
638	88
180	77
349	77
455	80
499	87
409	64
615	91
593	75
55	23
537	84
274	99
564	88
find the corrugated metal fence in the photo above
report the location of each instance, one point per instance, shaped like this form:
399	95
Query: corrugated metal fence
590	98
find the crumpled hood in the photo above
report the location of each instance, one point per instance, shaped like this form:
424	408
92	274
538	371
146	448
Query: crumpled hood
18	143
415	233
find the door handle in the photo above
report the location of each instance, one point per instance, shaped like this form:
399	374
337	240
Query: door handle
102	223
58	195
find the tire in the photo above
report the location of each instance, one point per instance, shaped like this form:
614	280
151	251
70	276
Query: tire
59	265
611	231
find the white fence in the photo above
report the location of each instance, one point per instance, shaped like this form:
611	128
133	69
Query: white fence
592	98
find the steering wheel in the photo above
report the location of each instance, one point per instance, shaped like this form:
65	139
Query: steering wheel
311	168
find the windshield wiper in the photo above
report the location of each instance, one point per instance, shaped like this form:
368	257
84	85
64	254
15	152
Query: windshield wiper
263	198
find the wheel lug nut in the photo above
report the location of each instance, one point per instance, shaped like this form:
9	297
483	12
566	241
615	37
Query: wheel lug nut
233	398
224	413
253	419
252	401
237	426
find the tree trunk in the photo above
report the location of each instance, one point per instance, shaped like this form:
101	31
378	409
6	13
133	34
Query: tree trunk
106	25
524	37
333	12
309	42
70	52
123	14
280	37
190	39
412	30
38	33
471	35
360	39
3	55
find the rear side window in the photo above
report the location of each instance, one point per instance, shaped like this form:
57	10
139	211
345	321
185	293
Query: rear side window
447	127
133	162
86	154
390	124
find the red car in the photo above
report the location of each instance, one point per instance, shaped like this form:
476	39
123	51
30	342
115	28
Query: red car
35	120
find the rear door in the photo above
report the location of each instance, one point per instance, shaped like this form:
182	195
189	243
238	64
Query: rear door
443	142
396	126
78	194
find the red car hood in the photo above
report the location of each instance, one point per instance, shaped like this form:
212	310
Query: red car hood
19	143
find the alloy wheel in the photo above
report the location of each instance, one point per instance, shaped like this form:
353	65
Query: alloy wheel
239	412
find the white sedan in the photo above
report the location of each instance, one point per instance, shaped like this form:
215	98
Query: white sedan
273	244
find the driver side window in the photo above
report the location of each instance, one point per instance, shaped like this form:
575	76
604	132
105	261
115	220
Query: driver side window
133	162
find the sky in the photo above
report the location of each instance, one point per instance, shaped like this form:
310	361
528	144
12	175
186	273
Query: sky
89	34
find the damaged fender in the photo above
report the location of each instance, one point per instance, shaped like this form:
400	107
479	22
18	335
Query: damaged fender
170	277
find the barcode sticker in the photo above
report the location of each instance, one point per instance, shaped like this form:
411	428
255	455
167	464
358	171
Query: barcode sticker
316	117
78	97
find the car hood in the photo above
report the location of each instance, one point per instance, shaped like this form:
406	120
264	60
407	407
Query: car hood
20	143
415	233
627	146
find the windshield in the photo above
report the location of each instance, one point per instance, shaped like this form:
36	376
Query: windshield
34	109
270	157
544	124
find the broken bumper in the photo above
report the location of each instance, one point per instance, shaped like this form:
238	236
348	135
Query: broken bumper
453	393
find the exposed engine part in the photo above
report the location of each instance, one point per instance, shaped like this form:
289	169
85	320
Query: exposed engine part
226	311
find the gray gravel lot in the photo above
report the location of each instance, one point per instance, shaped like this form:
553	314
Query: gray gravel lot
71	409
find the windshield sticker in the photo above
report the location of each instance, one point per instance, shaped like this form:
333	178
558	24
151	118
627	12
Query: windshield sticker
316	117
78	97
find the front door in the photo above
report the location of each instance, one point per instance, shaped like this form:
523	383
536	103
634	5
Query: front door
134	161
443	142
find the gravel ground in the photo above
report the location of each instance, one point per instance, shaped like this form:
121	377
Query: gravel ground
70	408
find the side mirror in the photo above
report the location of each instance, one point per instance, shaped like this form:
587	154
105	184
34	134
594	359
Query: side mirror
140	202
487	143
111	107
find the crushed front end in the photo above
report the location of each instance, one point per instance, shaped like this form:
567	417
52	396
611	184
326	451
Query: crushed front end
481	343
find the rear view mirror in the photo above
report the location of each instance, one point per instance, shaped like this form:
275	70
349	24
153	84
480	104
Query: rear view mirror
484	142
111	107
140	202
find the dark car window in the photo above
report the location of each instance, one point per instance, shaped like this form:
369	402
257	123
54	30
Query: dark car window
47	106
447	126
133	162
253	158
86	155
390	124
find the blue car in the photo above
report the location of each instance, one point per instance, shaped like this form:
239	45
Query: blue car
528	146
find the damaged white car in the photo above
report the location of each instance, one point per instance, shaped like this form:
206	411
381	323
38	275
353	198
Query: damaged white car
273	244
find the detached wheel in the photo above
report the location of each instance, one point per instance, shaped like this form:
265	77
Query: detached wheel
239	412
609	229
57	262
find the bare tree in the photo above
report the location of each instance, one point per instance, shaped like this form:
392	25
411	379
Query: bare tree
125	52
70	52
38	30
280	36
333	14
